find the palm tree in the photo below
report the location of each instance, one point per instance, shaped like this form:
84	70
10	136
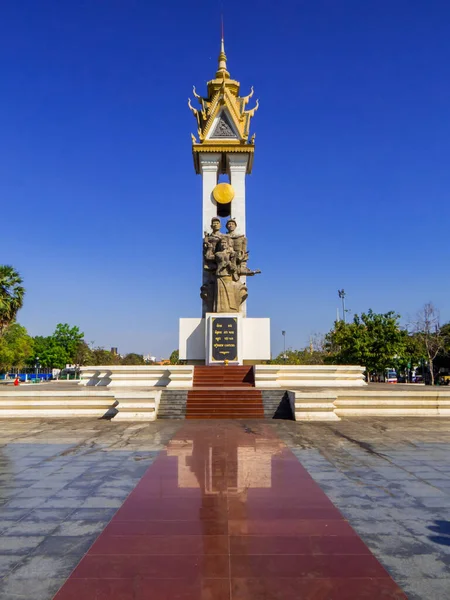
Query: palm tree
11	295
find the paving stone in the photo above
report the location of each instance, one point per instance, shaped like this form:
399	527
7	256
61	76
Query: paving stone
427	566
31	588
8	562
92	514
12	514
25	503
22	528
19	544
53	515
102	502
69	502
79	528
425	589
58	545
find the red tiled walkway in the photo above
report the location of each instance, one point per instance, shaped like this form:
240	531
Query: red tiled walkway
228	512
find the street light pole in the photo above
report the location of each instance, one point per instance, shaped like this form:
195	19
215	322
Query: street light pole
341	294
283	333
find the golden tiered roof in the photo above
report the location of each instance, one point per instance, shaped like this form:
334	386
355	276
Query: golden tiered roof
223	121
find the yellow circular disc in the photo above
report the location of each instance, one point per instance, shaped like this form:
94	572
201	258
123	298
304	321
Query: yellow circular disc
223	193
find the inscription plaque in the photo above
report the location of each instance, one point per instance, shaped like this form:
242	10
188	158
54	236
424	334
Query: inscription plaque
224	339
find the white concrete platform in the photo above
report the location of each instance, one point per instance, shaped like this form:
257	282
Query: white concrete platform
313	406
424	402
145	376
137	406
332	404
127	404
26	403
288	376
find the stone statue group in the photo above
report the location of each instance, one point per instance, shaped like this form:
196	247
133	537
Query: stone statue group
225	258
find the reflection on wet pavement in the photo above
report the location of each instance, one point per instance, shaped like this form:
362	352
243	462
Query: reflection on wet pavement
227	511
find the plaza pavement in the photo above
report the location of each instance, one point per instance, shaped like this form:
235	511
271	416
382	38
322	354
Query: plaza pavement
62	481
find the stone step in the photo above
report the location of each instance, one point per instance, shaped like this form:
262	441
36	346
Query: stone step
242	404
221	375
226	410
276	404
172	404
224	416
206	392
235	395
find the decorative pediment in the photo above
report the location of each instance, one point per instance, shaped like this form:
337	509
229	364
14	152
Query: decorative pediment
222	128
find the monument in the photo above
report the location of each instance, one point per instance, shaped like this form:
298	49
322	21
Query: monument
224	334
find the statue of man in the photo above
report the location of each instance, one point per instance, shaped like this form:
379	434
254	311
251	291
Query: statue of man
210	242
239	242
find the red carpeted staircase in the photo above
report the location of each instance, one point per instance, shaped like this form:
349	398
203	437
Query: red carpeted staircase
224	393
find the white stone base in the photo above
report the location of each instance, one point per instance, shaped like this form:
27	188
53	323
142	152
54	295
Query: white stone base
372	403
27	403
254	339
145	376
288	376
332	404
137	406
310	406
92	402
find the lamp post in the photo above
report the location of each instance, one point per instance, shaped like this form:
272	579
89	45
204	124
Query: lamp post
283	333
341	294
36	366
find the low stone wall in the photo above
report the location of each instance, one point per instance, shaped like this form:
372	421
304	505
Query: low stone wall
331	405
424	402
94	403
171	376
288	376
50	404
136	405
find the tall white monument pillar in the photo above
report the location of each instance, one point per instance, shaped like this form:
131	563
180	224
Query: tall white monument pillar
237	168
223	156
209	169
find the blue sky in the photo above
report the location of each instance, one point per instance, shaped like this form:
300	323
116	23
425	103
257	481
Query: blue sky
350	186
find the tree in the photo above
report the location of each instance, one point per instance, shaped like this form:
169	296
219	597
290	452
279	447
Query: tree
83	354
372	340
133	359
175	358
69	338
65	346
11	295
50	353
299	357
100	356
445	332
16	347
427	329
412	355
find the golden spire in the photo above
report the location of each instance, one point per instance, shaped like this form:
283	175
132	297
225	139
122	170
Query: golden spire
222	70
